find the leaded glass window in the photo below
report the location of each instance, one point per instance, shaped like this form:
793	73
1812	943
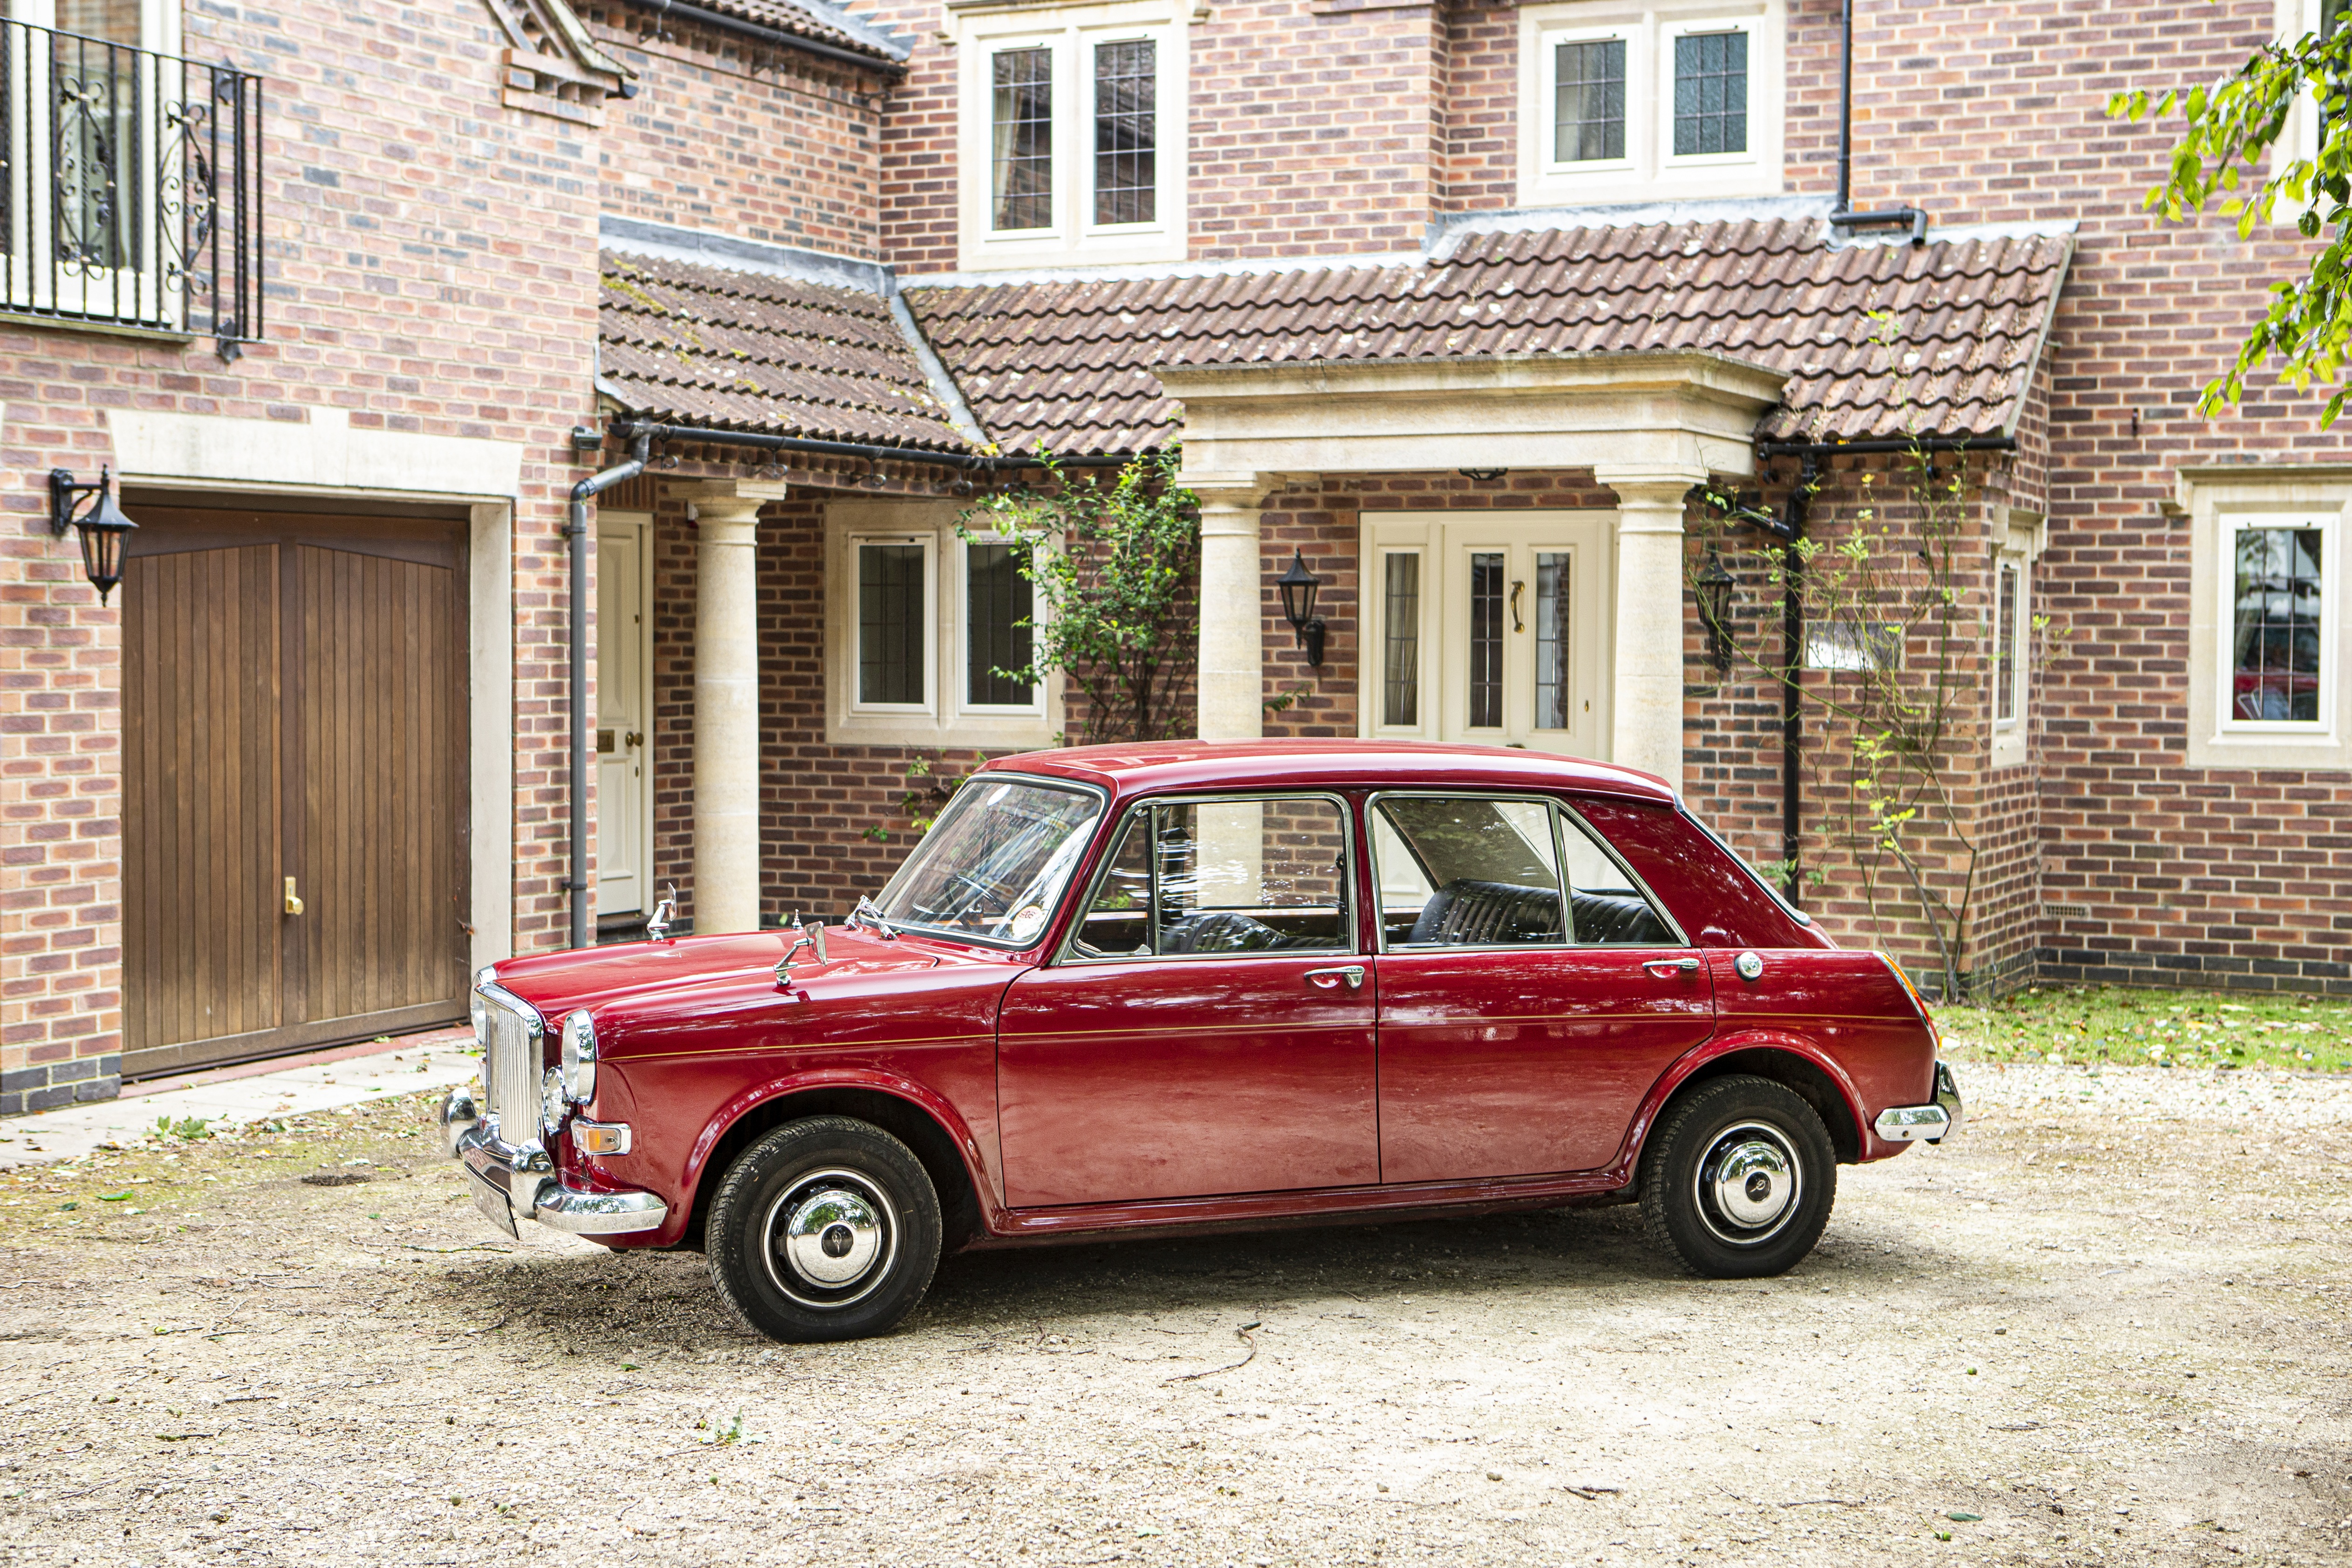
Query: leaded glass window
2006	634
997	603
1486	640
1710	93
1588	100
891	623
2277	617
1551	639
1022	149
1126	131
1400	642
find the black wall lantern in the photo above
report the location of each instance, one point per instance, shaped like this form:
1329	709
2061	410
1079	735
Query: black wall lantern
1712	586
104	529
1298	586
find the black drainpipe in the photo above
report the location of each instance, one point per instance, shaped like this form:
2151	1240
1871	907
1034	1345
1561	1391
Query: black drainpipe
576	530
1788	528
1845	217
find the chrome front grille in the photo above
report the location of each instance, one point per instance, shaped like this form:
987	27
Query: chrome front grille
511	1065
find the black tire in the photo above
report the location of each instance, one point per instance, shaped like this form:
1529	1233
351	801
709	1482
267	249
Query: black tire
1718	1222
864	1224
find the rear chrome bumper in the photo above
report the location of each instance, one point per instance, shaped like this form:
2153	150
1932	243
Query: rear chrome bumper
511	1182
1931	1123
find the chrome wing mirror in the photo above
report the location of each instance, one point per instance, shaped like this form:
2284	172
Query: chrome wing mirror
805	938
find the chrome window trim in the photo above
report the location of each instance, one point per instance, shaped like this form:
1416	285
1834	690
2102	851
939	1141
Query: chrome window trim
1559	850
997	776
1065	953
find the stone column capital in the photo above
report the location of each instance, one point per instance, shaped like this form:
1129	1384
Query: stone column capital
1228	492
729	501
1650	500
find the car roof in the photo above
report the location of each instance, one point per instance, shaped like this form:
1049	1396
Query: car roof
1330	764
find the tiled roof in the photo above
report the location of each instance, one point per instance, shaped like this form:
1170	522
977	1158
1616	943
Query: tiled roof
814	19
1069	363
687	344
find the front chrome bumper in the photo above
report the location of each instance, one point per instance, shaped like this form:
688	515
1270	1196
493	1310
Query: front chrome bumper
519	1181
1931	1123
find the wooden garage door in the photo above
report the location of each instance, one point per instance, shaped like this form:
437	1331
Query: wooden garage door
294	721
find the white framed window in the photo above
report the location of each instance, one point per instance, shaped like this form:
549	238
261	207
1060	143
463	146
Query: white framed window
2267	656
2010	637
1071	134
927	633
2301	138
1487	626
1676	100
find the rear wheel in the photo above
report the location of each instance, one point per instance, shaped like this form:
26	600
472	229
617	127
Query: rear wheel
1739	1179
826	1228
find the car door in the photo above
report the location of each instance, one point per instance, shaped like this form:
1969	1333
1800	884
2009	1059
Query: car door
1530	989
1207	1026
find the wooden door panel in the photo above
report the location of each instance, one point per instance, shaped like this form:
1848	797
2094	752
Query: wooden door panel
379	831
200	722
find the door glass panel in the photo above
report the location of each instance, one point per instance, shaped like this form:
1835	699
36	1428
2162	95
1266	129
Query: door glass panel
1604	906
1486	640
1489	868
1224	876
1400	642
1551	639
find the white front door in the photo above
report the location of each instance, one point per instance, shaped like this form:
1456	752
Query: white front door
1489	627
624	707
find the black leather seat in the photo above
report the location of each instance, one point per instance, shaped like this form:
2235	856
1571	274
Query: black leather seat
1469	913
1220	931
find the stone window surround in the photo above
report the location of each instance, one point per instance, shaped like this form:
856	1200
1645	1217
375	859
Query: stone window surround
978	28
2019	540
2216	497
943	718
1649	171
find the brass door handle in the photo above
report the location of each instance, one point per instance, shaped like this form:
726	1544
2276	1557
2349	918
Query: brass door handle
635	737
1517	589
293	899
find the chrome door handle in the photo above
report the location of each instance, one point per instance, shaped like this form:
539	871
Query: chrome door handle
1667	969
1327	979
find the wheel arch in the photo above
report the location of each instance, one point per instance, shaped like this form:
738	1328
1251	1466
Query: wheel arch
1783	1061
949	1155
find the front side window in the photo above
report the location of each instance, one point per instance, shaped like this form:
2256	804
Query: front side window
2278	617
995	863
1483	872
1022	155
1200	877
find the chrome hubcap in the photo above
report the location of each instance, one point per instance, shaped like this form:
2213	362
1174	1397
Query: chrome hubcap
830	1238
1749	1183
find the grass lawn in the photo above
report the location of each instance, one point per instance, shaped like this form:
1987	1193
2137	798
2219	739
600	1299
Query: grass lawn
2151	1028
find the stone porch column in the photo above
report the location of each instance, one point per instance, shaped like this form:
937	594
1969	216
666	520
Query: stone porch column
1232	683
1646	708
726	704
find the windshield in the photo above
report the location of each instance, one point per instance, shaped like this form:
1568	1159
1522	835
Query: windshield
994	864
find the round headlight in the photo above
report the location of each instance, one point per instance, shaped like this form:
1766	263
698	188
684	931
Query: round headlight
478	1011
579	1059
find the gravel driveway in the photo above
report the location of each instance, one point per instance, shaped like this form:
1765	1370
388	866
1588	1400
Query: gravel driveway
2106	1325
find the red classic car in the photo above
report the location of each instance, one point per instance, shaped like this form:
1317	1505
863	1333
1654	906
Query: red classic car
1124	990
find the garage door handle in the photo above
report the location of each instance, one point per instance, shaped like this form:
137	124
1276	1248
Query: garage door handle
1329	979
1667	969
293	899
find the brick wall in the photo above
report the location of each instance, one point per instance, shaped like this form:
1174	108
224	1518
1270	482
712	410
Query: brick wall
768	144
431	269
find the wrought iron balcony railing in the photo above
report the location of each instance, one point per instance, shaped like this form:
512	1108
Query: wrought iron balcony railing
129	187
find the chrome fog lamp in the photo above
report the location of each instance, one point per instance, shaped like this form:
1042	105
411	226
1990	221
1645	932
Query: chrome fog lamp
550	1103
579	1059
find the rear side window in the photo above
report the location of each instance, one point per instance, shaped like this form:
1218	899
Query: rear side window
1718	901
1478	871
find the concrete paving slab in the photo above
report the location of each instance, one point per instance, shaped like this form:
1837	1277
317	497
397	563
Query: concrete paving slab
400	1066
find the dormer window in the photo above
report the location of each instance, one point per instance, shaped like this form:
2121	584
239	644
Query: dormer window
1073	123
1625	103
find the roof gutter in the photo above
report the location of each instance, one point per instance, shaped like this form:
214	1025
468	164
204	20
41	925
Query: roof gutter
776	37
1844	217
637	429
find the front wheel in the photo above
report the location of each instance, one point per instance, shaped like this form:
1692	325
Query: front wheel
826	1228
1738	1179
